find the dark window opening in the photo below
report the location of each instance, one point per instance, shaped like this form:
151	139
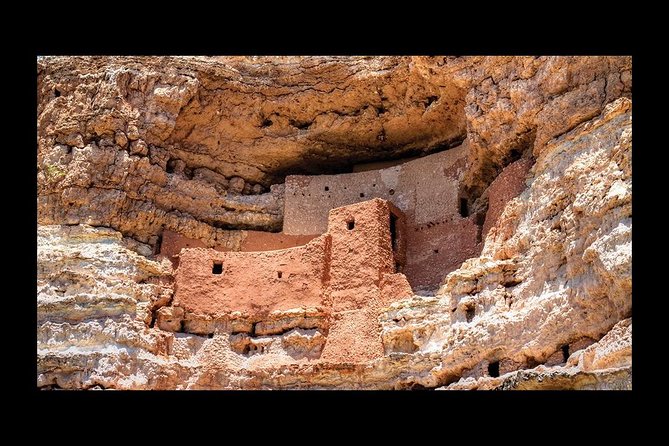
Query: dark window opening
436	251
350	224
170	166
218	268
374	185
464	212
362	195
493	369
267	122
431	100
69	149
565	352
56	92
210	335
327	188
469	313
279	274
391	191
159	243
393	232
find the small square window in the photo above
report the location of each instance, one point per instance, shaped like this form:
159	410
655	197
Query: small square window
217	268
350	224
464	208
493	369
470	312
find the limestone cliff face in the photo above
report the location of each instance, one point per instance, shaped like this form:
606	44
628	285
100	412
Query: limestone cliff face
555	273
132	146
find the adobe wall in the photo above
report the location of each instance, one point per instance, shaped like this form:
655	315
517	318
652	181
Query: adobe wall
435	250
245	241
361	255
348	274
252	282
508	185
270	241
362	278
425	189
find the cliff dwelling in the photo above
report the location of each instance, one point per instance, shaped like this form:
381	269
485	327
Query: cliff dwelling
337	283
440	232
334	222
351	244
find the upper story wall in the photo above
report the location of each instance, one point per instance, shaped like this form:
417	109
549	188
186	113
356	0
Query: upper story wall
269	241
364	248
425	189
435	250
236	240
508	185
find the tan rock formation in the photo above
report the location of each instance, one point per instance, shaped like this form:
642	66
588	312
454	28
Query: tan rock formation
129	148
155	140
555	269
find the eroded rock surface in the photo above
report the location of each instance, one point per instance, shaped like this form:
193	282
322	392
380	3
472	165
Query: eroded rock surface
554	271
130	147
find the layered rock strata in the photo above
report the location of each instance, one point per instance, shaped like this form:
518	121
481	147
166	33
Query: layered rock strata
129	148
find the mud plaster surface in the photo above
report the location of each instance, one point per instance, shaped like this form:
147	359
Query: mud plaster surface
348	274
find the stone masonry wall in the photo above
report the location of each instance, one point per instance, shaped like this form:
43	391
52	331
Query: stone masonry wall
435	250
508	184
251	282
425	189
